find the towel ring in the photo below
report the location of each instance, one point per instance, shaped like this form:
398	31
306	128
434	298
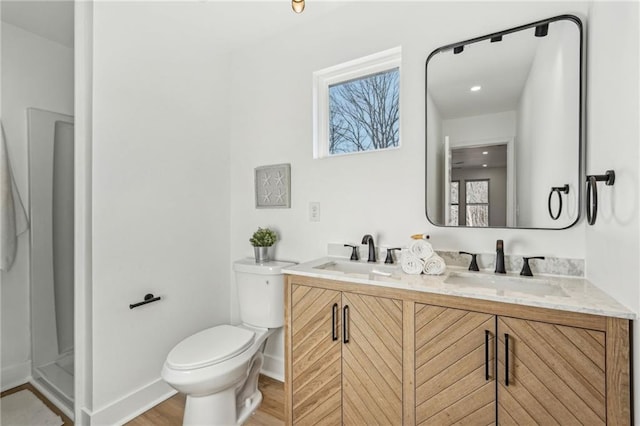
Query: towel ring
558	190
609	179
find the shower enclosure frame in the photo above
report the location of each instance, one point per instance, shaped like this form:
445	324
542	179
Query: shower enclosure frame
51	254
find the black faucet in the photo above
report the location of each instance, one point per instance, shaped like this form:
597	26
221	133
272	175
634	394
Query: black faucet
500	257
368	239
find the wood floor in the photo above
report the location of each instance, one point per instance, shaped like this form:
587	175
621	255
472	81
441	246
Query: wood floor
169	412
270	413
29	386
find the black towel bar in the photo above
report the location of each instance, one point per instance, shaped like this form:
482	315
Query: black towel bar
148	298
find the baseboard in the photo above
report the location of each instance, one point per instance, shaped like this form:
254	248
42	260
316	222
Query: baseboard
15	375
132	405
273	367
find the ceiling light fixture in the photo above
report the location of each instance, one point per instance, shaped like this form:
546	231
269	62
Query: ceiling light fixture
297	5
485	152
475	88
484	165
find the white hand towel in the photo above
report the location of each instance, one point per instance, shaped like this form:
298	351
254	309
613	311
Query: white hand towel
434	265
8	236
421	249
411	264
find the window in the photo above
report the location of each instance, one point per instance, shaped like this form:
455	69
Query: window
454	207
477	200
357	105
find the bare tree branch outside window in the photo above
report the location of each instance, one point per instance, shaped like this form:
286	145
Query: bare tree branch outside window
364	113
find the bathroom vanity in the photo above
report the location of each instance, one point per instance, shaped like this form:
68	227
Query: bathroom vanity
372	346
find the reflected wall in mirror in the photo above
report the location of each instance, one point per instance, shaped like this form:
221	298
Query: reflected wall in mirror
504	126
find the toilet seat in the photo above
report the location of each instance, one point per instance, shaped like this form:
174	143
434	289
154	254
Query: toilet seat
211	346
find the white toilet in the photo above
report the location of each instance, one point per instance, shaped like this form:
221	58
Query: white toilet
218	368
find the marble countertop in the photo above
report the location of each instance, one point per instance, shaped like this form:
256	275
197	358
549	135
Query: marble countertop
566	293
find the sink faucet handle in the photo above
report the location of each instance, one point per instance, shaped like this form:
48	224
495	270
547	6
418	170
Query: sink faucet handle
526	270
355	255
390	251
473	266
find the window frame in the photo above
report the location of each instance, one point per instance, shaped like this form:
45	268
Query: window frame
457	203
342	73
467	204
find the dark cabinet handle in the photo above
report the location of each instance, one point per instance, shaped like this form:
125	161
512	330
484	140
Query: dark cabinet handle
506	359
345	327
486	354
334	324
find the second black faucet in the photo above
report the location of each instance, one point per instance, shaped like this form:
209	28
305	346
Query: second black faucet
368	239
500	257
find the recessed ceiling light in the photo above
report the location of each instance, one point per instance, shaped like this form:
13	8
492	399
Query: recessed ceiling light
475	88
484	165
485	152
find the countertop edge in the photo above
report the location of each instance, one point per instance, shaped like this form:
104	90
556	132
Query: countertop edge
621	312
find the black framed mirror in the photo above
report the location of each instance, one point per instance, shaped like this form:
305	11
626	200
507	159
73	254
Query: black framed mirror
505	128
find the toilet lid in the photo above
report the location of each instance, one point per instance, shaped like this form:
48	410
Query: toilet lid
209	347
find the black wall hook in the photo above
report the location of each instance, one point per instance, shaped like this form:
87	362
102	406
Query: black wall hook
609	178
148	298
558	190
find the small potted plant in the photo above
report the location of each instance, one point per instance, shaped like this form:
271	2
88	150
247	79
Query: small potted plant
261	240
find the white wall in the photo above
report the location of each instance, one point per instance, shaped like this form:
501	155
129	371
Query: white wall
36	73
612	244
379	193
480	127
173	186
551	91
160	193
435	175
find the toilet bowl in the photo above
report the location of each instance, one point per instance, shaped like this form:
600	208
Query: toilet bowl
218	368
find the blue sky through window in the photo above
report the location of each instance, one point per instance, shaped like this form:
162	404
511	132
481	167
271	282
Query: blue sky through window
364	113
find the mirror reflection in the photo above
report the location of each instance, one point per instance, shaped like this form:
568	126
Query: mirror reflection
503	128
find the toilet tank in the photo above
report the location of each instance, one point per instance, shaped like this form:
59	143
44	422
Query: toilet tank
261	292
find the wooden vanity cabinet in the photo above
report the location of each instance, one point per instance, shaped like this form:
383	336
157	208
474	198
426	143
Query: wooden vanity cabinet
346	352
545	373
454	366
408	357
550	374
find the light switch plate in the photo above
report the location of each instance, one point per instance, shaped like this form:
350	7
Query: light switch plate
314	211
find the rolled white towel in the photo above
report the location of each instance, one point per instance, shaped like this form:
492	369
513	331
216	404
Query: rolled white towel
434	265
421	249
411	264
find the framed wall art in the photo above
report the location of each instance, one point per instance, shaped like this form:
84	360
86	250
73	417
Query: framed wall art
273	186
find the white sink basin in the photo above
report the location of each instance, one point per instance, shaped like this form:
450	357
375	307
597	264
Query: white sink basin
358	268
505	284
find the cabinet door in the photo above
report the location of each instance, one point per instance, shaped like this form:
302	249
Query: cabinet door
550	374
455	369
316	356
372	360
